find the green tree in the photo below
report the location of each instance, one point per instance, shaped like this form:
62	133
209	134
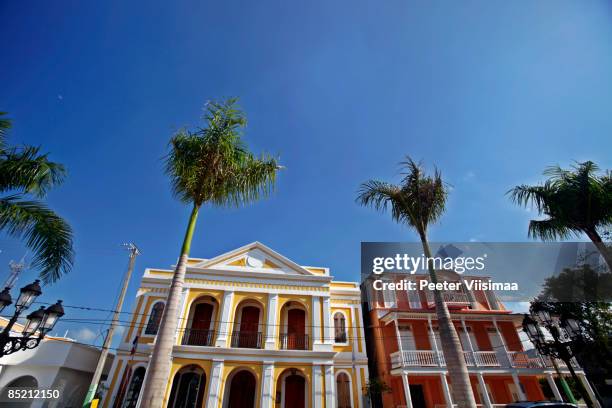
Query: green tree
419	201
211	165
575	201
584	294
26	175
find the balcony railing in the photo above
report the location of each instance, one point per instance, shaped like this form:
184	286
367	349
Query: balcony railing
294	342
248	339
198	337
450	297
515	359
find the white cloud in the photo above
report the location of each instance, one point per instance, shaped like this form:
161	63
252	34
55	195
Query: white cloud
85	335
470	175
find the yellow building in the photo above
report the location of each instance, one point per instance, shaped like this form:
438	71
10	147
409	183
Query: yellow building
256	330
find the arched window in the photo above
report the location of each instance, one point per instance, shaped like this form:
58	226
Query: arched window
242	389
343	390
188	388
155	318
340	327
133	391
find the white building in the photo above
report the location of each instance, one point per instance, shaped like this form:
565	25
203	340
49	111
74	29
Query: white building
57	363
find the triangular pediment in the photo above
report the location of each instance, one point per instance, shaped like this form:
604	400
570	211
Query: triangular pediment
255	257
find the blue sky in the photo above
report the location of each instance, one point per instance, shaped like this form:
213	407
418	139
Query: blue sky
491	92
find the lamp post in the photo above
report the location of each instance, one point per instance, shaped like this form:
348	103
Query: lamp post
42	320
558	347
531	327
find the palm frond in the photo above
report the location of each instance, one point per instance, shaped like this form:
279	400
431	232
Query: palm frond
418	201
46	234
5	125
574	200
550	230
213	164
253	179
26	170
538	195
381	195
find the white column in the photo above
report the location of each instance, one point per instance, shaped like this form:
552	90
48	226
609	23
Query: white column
316	322
326	323
589	389
517	383
357	337
469	340
272	322
108	397
266	385
407	390
361	329
358	387
432	340
224	320
447	394
553	386
399	342
214	388
503	342
485	393
317	382
330	392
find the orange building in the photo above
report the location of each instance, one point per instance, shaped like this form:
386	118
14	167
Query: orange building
405	351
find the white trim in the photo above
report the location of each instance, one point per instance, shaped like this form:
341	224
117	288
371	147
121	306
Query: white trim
214	383
250	247
267	399
330	389
224	325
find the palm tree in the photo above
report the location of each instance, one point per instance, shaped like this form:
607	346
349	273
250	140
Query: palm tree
26	176
210	165
574	201
418	201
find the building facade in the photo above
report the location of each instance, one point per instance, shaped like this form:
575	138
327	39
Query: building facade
58	363
255	330
406	353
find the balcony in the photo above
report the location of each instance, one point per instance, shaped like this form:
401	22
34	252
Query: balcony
294	342
248	339
431	358
451	298
195	337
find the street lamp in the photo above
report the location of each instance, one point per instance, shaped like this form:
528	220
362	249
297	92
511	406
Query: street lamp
571	326
532	328
558	347
34	320
28	295
41	320
5	298
52	315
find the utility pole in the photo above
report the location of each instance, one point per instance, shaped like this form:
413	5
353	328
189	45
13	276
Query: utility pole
16	268
93	387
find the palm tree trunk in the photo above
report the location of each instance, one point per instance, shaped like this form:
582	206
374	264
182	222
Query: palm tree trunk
605	251
158	372
462	393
